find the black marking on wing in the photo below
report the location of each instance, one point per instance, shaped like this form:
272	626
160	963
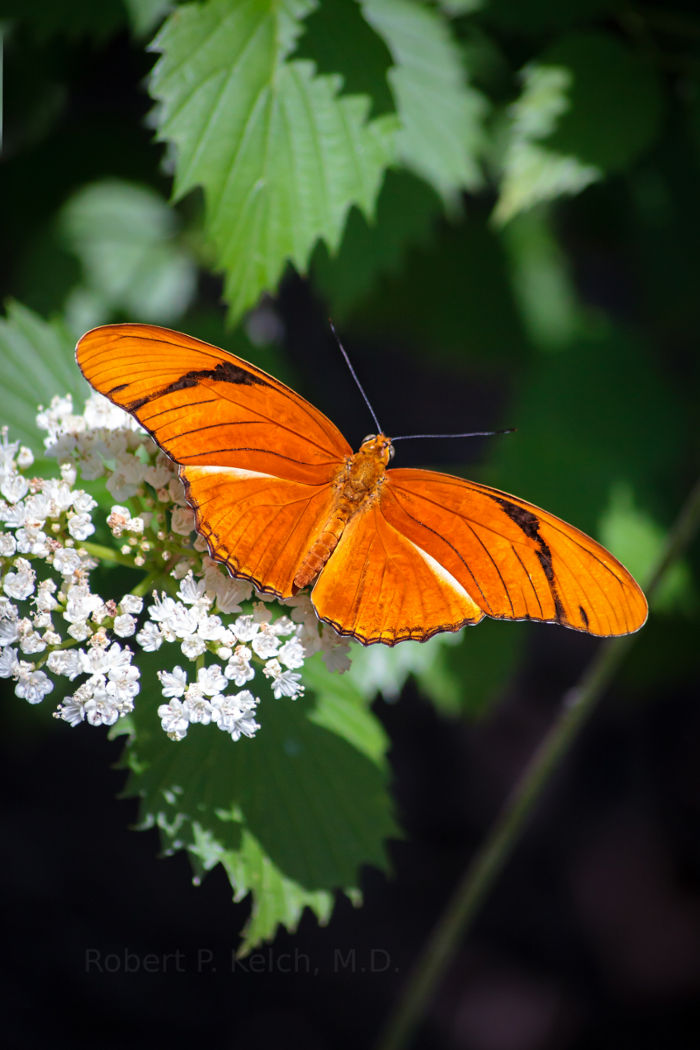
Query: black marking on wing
224	372
529	524
584	614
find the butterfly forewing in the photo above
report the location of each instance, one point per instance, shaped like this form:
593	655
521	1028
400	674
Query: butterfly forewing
255	457
207	407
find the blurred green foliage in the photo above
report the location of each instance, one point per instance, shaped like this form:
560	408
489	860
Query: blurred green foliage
496	199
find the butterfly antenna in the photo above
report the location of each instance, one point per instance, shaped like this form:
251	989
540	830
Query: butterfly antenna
354	376
474	434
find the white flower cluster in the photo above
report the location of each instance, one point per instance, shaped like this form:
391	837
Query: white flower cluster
52	625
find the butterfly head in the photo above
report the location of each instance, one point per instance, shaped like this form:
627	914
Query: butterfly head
378	446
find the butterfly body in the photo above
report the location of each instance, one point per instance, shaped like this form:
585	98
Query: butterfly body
282	500
357	485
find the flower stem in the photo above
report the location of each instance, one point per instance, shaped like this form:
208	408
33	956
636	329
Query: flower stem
490	859
98	550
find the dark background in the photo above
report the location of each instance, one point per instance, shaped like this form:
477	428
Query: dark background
591	938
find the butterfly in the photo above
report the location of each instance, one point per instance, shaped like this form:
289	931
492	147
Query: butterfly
282	500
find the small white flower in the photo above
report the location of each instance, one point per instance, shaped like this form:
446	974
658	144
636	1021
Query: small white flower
20	584
30	642
25	458
66	662
9	662
211	680
192	647
174	720
238	668
265	644
230	592
83	502
80	631
66	561
118	520
14	516
283	625
80	603
212	630
284	683
8	451
198	708
193	592
131	603
102	709
14	487
45	600
234	714
72	711
182	521
335	650
9	627
124	626
173	683
32	686
8	545
245	628
160	473
32	540
80	527
150	637
292	654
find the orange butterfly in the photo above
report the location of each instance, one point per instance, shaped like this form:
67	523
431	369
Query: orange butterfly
282	501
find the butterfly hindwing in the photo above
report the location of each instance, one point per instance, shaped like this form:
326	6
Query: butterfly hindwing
379	586
260	526
514	559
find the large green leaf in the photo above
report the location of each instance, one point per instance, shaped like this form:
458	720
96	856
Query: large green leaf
532	172
280	155
441	116
125	237
291	815
589	106
37	363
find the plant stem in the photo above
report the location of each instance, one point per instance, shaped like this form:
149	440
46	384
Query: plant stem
98	550
490	859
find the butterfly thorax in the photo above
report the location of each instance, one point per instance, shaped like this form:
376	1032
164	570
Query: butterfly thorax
356	486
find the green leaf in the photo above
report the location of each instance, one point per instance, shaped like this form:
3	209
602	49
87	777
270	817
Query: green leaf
37	362
532	172
544	287
144	15
280	156
378	669
125	238
589	106
461	673
441	137
638	542
291	815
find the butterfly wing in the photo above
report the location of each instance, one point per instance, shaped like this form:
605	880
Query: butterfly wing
484	552
256	459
